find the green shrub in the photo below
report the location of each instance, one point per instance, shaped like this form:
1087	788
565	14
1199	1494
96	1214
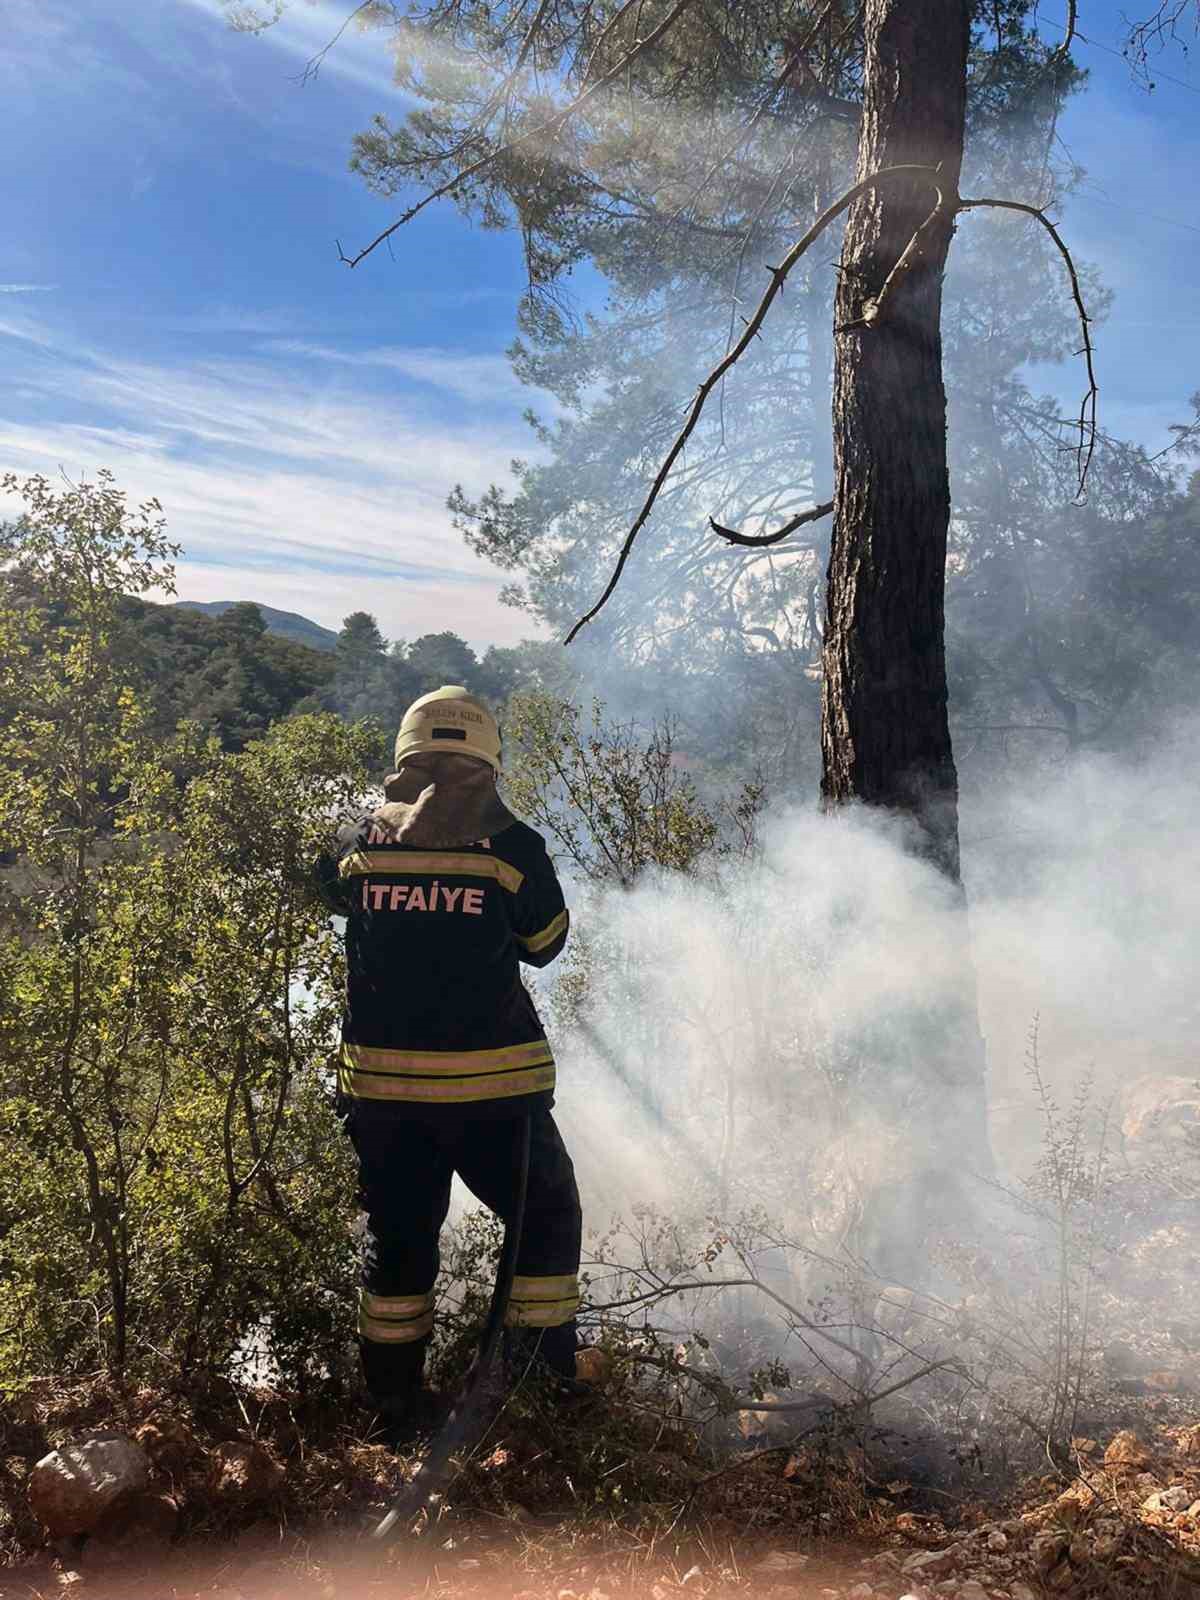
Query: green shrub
177	1195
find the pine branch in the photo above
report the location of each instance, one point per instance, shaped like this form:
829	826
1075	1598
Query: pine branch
949	204
552	126
779	277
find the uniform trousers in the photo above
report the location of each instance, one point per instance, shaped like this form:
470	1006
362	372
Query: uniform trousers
406	1164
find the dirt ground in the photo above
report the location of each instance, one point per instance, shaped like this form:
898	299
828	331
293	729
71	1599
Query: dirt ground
467	1559
1123	1523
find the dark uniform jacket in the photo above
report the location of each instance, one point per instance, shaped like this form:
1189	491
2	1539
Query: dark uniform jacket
437	1017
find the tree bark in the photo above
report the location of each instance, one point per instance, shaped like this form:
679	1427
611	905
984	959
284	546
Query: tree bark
885	732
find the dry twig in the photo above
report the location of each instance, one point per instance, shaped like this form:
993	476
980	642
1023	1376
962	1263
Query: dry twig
1087	408
853	1409
948	205
312	67
779	277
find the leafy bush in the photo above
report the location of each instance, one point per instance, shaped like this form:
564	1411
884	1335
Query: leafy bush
177	1193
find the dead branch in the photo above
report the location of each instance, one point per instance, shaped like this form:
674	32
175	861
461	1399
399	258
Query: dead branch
779	277
852	1409
949	204
552	126
1087	407
873	310
1072	23
1154	33
844	110
794	59
500	94
312	67
662	1291
813	514
610	27
728	1398
734	301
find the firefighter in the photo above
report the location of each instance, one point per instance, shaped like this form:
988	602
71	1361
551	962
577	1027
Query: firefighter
444	893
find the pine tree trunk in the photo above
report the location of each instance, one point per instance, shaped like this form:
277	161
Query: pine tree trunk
885	733
885	730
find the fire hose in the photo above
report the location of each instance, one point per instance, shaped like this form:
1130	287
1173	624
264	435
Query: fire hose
461	1428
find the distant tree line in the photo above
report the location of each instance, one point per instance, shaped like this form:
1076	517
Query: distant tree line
1079	630
371	678
235	679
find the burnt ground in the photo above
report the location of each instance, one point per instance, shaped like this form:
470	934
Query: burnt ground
259	1511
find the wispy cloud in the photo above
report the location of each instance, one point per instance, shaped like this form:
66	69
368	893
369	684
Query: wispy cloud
282	322
281	487
42	35
27	288
480	379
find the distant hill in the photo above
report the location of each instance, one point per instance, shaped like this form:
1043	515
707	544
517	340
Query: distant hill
235	682
287	624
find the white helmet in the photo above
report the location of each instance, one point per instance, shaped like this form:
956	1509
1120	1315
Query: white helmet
449	721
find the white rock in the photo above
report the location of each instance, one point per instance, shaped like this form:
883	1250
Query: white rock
861	1591
997	1541
885	1561
782	1561
1176	1498
72	1490
931	1563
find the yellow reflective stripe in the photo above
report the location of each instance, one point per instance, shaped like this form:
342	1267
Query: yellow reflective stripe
541	1316
379	1331
401	863
446	1063
394	1319
382	1305
542	1313
543	1302
491	1086
539	941
545	1288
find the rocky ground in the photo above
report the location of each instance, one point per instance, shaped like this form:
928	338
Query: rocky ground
158	1509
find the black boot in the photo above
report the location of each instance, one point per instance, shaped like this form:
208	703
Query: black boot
406	1419
545	1356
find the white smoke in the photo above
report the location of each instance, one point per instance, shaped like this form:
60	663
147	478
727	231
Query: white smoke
1085	894
752	1029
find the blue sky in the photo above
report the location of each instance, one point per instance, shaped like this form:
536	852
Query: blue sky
172	306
